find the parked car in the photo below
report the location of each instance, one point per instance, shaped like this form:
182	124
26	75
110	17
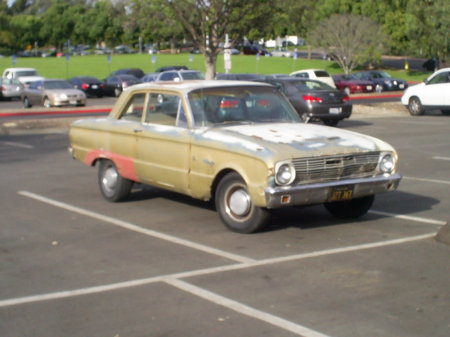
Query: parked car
10	88
52	92
432	94
240	77
253	49
115	84
282	52
136	72
315	74
314	100
180	75
240	144
383	81
351	84
24	75
91	86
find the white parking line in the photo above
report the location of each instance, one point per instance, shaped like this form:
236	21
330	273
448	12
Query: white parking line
410	218
445	182
245	309
21	145
207	271
132	227
441	158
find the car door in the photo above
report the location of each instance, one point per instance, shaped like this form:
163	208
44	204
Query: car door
436	91
163	143
34	92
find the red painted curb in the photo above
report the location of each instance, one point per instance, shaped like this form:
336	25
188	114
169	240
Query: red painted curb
375	97
55	112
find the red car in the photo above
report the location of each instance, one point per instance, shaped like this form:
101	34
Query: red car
350	84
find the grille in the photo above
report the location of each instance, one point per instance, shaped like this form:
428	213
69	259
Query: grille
328	168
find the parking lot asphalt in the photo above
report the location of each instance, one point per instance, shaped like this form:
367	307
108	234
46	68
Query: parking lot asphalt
162	264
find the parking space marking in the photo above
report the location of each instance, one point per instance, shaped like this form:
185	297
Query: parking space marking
207	271
445	182
410	218
132	227
441	158
245	309
21	145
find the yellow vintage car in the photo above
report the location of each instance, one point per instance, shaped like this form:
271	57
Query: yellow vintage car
241	144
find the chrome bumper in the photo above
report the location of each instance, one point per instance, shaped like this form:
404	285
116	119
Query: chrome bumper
319	193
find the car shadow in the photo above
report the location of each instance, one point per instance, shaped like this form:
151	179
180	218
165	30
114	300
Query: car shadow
304	217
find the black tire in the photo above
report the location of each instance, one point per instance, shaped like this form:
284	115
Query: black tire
331	122
112	185
352	209
235	207
26	103
415	106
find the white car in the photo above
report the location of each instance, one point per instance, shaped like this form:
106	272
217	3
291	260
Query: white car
432	94
24	75
315	74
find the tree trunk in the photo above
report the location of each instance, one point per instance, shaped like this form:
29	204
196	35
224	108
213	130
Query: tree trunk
210	65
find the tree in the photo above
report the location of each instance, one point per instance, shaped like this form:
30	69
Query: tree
352	40
428	27
208	21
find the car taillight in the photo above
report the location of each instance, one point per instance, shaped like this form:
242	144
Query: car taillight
85	86
312	99
345	99
229	104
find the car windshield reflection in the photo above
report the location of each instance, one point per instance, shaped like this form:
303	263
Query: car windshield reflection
240	105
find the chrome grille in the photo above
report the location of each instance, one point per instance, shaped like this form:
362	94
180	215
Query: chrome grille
328	168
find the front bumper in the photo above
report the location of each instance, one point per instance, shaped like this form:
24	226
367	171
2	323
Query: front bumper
319	193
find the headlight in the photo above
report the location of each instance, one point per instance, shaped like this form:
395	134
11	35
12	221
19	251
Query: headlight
387	163
284	173
62	96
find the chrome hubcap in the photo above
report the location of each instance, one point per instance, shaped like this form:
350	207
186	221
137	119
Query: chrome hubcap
109	180
239	202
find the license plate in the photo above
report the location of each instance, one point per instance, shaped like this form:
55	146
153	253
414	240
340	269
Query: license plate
94	86
369	87
335	111
73	102
341	193
401	86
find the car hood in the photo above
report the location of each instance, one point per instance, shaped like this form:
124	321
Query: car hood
289	140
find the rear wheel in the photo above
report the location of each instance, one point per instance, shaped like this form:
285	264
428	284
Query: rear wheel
235	206
352	209
112	185
415	106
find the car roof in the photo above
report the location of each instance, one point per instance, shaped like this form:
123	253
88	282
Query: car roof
186	86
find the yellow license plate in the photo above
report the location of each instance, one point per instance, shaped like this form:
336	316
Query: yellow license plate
341	193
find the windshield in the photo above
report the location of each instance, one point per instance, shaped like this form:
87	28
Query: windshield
26	73
57	85
240	104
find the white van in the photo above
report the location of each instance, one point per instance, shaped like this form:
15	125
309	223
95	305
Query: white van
24	75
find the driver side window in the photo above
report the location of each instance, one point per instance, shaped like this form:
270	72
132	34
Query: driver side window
165	109
134	109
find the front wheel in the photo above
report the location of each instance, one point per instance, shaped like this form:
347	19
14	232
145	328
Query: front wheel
26	103
112	185
352	209
235	206
415	106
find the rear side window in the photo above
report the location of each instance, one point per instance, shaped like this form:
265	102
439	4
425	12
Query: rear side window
321	73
